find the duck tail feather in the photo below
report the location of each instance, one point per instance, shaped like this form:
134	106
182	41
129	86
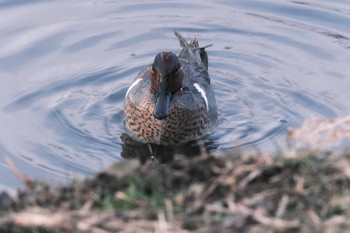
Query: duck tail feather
183	42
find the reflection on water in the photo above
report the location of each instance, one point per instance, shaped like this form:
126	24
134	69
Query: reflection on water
132	149
65	67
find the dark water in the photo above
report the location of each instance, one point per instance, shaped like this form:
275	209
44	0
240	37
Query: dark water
65	67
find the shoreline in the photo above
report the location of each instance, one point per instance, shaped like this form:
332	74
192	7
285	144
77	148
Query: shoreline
298	192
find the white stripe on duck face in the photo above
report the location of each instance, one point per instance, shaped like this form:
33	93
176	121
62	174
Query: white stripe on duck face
132	86
202	92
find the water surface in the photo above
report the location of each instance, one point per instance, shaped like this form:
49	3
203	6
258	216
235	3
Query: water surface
65	67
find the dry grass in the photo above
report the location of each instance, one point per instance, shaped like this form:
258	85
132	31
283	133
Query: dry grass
319	134
250	194
305	192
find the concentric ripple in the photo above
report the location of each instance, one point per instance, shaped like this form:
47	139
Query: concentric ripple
65	67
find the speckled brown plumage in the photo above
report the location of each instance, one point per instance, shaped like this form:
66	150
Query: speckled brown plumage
190	115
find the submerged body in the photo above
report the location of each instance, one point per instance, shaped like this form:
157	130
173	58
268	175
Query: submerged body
171	101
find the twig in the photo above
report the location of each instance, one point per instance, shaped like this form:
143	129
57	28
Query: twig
25	179
249	178
282	206
162	224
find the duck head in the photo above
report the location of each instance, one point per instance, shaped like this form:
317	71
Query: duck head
166	77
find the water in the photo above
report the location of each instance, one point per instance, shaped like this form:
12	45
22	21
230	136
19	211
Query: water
65	67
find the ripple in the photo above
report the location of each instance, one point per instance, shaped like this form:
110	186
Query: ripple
66	67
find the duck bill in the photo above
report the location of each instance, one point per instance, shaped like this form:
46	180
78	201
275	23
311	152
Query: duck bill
162	103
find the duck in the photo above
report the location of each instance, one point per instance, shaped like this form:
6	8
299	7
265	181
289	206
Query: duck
171	101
